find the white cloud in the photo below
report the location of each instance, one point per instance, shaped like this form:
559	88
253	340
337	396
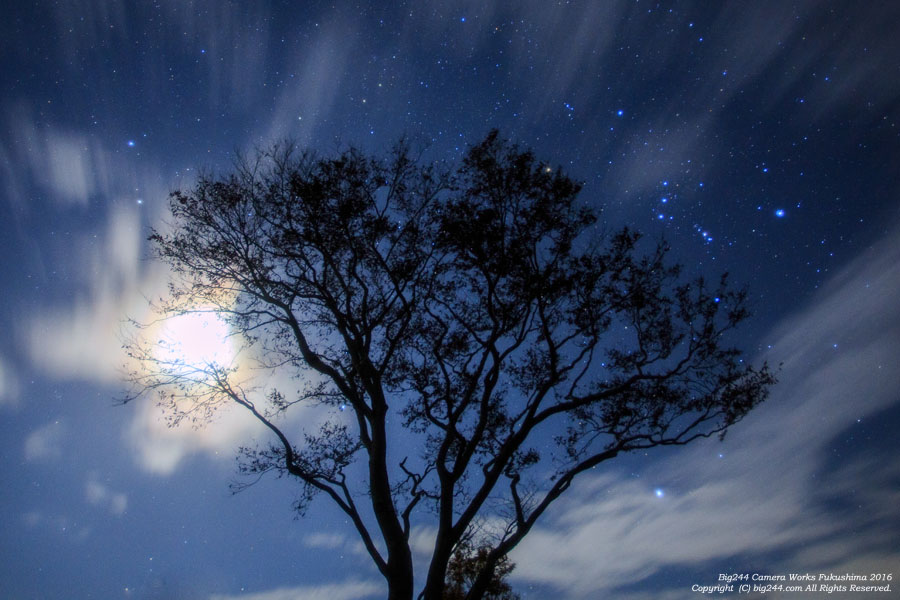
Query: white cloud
45	443
307	101
100	495
349	590
769	490
9	385
60	524
69	165
160	449
83	340
328	541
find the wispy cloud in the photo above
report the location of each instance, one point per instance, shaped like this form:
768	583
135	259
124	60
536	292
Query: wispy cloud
349	590
160	449
306	101
324	540
772	489
57	523
70	166
9	385
45	443
82	340
99	494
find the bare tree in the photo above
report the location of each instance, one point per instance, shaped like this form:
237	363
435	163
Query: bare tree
477	343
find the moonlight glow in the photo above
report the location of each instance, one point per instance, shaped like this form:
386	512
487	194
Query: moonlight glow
197	339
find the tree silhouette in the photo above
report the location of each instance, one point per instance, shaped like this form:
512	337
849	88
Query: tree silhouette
474	341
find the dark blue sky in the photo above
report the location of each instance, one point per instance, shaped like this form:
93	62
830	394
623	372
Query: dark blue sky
759	138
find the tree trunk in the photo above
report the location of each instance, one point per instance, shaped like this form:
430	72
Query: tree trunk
400	583
437	573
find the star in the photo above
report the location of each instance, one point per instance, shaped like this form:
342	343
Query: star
659	493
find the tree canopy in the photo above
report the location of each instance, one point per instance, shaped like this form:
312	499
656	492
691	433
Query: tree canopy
475	340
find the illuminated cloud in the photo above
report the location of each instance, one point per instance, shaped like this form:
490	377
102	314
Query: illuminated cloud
82	340
160	449
770	489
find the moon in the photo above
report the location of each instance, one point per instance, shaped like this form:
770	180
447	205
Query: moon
196	340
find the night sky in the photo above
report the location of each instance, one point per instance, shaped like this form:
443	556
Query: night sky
758	138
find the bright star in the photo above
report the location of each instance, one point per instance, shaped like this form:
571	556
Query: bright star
779	213
659	493
620	112
131	143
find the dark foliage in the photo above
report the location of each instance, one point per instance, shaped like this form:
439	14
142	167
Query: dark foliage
466	563
476	307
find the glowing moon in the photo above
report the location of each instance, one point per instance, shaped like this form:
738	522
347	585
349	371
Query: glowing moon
198	339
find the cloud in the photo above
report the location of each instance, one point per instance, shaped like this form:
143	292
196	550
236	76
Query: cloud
79	338
9	385
83	340
776	486
100	495
45	443
57	523
160	449
350	590
232	38
70	166
328	541
307	101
